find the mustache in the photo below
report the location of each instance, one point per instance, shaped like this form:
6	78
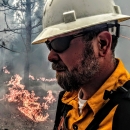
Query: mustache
57	66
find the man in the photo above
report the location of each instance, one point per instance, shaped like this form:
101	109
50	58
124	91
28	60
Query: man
81	36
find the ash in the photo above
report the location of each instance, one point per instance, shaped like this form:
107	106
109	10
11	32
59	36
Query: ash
12	119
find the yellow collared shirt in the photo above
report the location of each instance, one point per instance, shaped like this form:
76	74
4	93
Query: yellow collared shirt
91	107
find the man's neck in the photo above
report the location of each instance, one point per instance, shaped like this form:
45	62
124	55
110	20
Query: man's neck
91	87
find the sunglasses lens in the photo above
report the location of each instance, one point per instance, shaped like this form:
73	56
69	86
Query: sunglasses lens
61	44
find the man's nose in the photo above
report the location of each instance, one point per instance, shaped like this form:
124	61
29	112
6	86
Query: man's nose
53	56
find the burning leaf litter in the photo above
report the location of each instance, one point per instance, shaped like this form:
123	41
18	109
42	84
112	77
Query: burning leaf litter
5	70
28	103
42	79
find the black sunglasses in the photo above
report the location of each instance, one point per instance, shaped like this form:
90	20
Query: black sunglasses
61	44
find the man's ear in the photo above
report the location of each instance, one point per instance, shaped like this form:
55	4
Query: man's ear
104	42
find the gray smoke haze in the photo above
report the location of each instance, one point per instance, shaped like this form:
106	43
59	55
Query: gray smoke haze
123	47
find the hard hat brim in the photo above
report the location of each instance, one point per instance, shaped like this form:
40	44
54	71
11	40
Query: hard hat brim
81	23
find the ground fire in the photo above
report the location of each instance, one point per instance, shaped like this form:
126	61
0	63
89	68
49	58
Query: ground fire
30	105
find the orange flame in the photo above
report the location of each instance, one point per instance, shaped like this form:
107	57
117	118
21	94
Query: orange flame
27	101
5	70
48	80
42	79
31	77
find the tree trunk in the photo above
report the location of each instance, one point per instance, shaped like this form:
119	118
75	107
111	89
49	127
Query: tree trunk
28	42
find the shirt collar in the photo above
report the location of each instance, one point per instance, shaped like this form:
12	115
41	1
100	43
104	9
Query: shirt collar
117	79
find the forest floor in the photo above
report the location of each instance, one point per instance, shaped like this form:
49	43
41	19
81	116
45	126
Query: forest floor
12	119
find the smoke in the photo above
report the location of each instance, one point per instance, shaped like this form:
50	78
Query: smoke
122	49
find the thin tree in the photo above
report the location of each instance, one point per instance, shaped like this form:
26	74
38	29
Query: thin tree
26	21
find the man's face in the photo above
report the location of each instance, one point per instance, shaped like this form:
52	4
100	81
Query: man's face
76	66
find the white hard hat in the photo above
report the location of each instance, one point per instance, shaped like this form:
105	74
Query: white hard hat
64	16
